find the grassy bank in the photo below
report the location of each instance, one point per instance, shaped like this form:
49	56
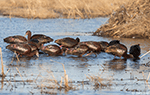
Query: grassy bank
59	8
129	21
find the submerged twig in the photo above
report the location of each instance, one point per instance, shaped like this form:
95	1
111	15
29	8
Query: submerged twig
147	80
37	77
148	77
7	71
20	74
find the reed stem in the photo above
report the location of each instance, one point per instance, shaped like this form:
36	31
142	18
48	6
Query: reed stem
2	62
145	54
19	74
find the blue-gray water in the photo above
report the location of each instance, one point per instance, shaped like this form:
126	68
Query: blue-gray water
125	77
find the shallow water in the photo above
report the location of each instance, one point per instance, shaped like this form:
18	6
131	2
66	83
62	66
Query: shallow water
126	76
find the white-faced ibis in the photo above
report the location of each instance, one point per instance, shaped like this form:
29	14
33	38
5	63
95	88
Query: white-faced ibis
15	39
119	50
52	50
135	50
40	37
23	49
34	44
94	47
67	42
103	45
79	50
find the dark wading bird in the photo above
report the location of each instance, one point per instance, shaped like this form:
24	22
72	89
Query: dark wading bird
21	39
52	50
103	45
119	50
67	42
135	50
34	44
15	39
23	50
40	37
79	50
94	47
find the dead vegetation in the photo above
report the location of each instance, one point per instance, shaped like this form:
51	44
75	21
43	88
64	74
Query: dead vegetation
129	21
59	8
50	82
99	82
2	69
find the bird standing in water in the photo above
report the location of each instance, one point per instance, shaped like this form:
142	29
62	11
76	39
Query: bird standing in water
119	50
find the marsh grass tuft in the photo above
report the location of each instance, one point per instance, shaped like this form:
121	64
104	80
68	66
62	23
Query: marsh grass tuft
59	8
99	82
53	84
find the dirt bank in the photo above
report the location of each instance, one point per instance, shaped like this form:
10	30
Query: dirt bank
59	8
129	21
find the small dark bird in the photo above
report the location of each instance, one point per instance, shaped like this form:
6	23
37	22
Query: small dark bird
34	44
94	47
40	37
79	50
23	49
135	50
15	39
67	42
52	50
119	50
103	45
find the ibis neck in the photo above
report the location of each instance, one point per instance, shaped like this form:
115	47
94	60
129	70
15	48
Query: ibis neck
29	35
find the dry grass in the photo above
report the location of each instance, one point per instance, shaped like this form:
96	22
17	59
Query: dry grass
2	69
59	8
131	21
50	82
99	82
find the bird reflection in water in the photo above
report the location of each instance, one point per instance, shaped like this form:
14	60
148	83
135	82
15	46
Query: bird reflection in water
22	62
117	64
83	59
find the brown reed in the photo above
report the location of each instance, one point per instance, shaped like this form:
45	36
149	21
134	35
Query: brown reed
19	74
65	76
2	63
59	8
99	81
53	83
129	21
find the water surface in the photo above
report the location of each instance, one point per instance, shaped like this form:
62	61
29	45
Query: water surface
126	76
